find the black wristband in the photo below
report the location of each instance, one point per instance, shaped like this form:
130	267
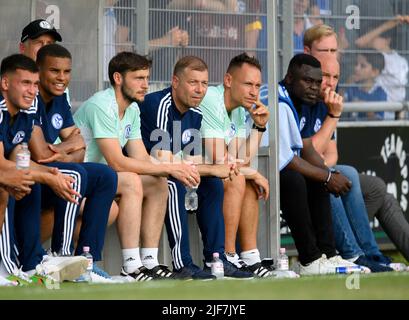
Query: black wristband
333	116
259	129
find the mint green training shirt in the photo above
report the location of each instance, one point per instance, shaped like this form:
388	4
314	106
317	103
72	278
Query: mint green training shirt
217	122
98	118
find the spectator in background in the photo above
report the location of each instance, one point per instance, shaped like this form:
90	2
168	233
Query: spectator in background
394	76
120	23
220	26
368	67
302	22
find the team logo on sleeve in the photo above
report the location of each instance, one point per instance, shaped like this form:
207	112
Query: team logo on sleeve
127	132
231	131
19	137
186	135
57	121
302	123
317	125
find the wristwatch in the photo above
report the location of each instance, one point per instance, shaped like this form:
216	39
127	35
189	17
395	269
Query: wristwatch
259	129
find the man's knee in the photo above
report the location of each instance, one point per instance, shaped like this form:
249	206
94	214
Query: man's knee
160	184
373	185
4	195
130	183
236	187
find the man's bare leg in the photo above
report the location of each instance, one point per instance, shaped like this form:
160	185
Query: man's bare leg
248	228
248	225
47	224
130	194
155	196
130	205
232	205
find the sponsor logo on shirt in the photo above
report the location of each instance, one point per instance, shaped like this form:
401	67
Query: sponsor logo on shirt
57	121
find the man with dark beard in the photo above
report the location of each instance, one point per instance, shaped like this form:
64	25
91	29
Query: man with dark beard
110	124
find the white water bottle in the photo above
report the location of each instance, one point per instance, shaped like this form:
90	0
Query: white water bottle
217	267
87	254
282	261
191	199
23	157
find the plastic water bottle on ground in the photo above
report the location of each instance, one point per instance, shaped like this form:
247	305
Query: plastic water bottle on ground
282	261
217	267
87	254
191	199
23	157
348	269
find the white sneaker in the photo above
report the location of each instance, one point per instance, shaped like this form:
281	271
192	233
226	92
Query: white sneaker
19	273
319	266
349	267
62	268
7	283
284	274
96	278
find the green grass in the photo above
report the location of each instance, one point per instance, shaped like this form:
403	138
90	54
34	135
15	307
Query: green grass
373	286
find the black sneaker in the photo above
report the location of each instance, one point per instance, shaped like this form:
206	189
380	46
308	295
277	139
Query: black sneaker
193	272
381	259
372	265
161	272
268	263
182	274
140	274
257	269
232	272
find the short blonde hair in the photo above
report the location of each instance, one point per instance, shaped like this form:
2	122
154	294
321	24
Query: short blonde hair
317	33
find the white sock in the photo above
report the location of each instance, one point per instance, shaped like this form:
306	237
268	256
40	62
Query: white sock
232	257
250	257
131	259
149	257
3	271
